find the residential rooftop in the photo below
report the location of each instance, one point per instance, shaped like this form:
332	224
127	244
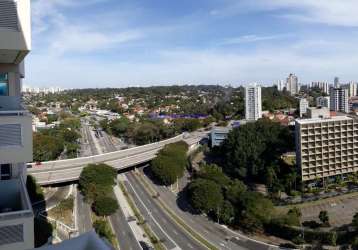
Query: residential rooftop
315	120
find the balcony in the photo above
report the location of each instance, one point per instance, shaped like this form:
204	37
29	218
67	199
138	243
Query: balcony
16	216
15	131
15	30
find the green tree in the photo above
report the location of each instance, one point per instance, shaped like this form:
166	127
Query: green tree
105	206
170	163
46	147
324	218
205	196
97	180
234	191
214	173
355	221
293	217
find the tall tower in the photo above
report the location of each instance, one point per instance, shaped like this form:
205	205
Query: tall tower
339	100
336	82
292	85
253	108
16	216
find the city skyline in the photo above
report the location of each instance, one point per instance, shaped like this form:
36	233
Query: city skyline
111	44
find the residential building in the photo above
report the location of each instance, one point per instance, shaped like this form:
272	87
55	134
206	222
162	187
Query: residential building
16	215
253	107
303	106
323	101
339	100
352	89
324	86
326	146
281	85
292	85
320	112
336	82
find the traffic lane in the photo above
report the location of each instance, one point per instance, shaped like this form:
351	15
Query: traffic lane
84	220
123	232
175	232
167	242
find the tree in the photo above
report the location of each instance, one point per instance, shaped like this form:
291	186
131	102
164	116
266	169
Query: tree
97	180
355	243
226	213
170	163
46	147
254	210
205	196
324	218
105	206
293	217
214	173
234	191
102	229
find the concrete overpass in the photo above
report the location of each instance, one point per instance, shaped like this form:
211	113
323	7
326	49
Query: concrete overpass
53	172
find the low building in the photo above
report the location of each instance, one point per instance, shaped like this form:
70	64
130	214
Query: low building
218	135
323	101
326	146
303	106
318	112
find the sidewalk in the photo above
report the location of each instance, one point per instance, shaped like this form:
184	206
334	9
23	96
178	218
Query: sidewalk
127	211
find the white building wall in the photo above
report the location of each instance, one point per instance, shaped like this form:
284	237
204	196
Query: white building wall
253	105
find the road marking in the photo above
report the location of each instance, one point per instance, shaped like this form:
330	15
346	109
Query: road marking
150	214
190	245
174	231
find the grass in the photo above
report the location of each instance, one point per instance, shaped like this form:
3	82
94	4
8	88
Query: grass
179	221
63	211
152	237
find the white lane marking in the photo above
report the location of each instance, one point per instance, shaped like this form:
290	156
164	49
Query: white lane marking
150	214
174	231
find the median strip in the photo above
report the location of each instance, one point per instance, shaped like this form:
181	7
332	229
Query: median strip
177	219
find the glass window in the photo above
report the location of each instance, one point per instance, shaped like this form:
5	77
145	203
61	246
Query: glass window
4	85
5	171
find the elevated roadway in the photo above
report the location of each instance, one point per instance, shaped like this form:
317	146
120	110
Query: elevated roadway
61	171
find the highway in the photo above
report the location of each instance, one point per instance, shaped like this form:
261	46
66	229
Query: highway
161	223
69	170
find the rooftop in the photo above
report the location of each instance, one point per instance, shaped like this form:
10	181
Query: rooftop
315	120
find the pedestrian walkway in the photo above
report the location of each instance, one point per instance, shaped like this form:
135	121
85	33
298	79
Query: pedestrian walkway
128	213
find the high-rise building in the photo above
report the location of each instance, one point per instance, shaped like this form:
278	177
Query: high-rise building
323	101
326	146
16	215
253	109
352	89
336	82
324	86
303	106
339	100
292	85
281	85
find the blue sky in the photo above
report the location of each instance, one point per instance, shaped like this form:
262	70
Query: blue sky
118	43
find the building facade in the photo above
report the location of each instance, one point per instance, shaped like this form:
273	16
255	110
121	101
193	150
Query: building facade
292	85
326	147
352	89
253	107
324	86
303	106
16	215
323	101
339	100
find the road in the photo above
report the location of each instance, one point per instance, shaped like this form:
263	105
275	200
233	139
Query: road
83	214
213	232
161	223
122	230
69	170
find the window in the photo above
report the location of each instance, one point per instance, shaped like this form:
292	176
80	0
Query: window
5	172
4	84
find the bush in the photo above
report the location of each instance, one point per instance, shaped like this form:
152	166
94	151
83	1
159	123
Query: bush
43	231
105	206
102	228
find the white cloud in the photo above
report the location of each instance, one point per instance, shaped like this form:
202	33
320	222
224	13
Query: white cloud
252	39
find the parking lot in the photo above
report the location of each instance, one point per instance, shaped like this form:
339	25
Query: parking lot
340	209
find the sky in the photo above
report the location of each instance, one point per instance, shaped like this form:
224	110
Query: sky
120	43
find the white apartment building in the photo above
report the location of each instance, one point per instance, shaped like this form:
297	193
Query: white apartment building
324	86
253	107
303	106
292	84
16	216
352	89
323	101
326	146
339	100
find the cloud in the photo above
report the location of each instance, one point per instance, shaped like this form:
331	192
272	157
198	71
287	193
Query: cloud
330	12
252	39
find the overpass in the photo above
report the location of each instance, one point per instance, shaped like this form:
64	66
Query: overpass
53	172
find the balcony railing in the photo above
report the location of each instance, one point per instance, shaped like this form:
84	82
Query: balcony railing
12	106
